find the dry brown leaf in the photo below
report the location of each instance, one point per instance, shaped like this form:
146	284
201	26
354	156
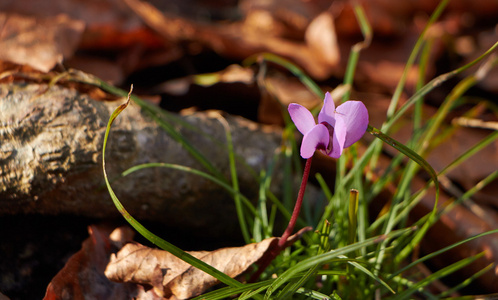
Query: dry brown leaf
39	43
3	297
318	55
231	74
321	38
83	275
172	277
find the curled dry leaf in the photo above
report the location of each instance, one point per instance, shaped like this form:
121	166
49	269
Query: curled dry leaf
171	277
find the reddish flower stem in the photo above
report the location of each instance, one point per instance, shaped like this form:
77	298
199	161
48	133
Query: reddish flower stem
282	243
297	207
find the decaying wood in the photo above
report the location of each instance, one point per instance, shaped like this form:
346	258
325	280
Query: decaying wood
51	162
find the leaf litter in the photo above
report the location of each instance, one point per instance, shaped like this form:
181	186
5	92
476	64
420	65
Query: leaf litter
389	21
111	266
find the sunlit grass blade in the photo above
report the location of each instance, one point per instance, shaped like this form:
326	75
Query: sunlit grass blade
353	216
293	287
327	211
419	103
258	227
289	159
154	112
324	246
417	196
436	276
468	194
326	257
468	281
310	294
294	69
248	204
149	235
409	173
253	294
443	111
235	181
408	152
433	84
354	54
371	275
229	291
438	252
267	221
411	59
476	148
461	87
374	147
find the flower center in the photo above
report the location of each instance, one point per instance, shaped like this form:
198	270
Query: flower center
328	148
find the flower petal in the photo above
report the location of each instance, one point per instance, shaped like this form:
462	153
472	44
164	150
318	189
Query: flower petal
302	117
317	137
356	120
338	137
327	114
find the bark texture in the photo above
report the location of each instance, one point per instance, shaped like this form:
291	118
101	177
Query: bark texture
50	159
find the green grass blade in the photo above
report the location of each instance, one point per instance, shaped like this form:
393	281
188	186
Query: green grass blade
433	84
371	275
408	152
235	182
327	212
253	294
354	54
310	294
427	167
205	175
436	276
353	216
260	229
293	287
411	59
326	257
467	281
468	194
154	112
438	252
294	69
461	87
443	111
149	235
419	103
478	147
229	291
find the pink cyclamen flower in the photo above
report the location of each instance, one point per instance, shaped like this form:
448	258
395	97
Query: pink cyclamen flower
337	128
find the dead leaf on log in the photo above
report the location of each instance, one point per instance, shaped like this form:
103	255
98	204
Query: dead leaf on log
83	275
40	43
172	277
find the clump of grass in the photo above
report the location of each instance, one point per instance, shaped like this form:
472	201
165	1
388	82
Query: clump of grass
347	257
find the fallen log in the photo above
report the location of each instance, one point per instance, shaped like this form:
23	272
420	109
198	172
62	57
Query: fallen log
51	159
